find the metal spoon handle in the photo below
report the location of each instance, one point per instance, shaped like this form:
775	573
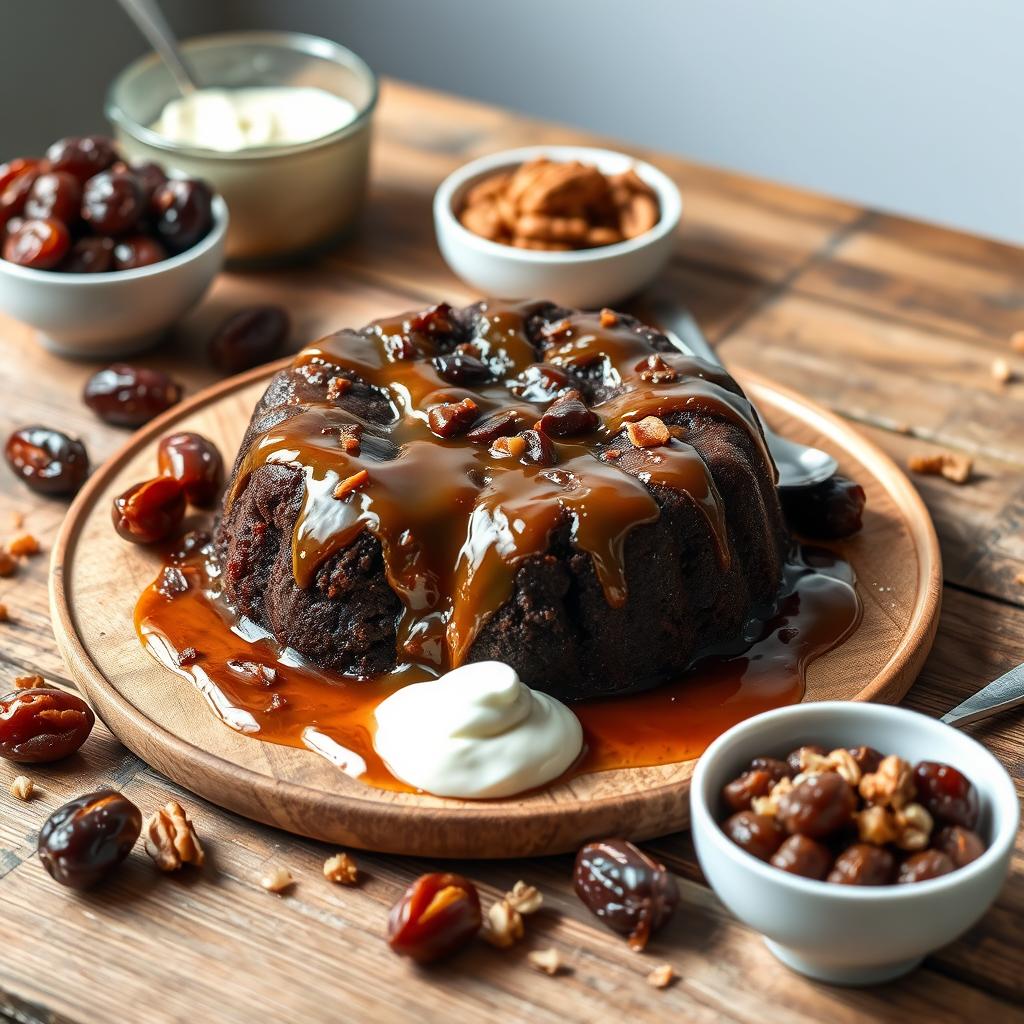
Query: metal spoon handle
1000	695
150	21
686	328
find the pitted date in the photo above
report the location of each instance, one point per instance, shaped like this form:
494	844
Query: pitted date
47	461
437	914
195	463
84	840
818	806
248	338
948	795
149	512
629	891
129	396
43	724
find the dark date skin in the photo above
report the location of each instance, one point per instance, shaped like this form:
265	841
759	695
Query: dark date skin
149	512
741	791
82	156
129	396
89	256
438	914
959	844
38	244
83	841
947	794
47	461
249	338
818	807
802	856
760	835
183	212
42	725
863	864
55	194
112	203
136	251
195	463
624	888
923	866
828	511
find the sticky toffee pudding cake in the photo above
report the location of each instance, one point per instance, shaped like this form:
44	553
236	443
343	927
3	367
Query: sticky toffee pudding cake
561	491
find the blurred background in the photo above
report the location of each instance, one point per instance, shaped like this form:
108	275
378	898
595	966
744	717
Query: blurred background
912	106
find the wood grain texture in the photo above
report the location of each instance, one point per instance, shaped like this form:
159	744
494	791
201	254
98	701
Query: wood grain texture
214	947
96	579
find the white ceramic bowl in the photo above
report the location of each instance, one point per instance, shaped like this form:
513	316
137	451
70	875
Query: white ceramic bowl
117	313
586	278
852	935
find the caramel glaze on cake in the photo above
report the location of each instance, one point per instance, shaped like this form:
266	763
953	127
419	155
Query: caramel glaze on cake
533	530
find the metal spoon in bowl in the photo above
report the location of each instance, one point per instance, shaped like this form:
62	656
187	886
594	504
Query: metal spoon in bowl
150	21
799	465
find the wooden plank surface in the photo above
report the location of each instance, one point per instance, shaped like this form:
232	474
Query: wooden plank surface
892	324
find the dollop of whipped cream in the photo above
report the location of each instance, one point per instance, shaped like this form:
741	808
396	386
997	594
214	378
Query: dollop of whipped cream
476	732
236	119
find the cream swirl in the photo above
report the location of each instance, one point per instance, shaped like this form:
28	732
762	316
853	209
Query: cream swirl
476	732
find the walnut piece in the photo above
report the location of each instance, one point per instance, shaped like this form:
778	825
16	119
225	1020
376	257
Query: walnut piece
504	925
951	465
875	824
352	483
524	898
609	318
22	787
1000	370
23	545
650	432
840	761
8	564
28	682
171	839
547	960
661	977
891	786
770	804
913	827
276	879
341	868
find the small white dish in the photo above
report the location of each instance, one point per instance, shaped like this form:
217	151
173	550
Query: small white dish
585	278
852	935
117	313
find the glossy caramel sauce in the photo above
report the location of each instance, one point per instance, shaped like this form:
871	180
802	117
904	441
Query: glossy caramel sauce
256	687
456	518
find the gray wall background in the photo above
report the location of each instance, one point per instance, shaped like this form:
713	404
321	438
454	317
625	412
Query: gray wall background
915	106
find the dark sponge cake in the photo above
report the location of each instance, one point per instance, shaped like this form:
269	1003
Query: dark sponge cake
561	491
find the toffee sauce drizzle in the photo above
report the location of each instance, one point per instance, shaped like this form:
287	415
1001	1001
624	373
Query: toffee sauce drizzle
454	520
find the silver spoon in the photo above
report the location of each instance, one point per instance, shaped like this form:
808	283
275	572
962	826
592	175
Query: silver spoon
150	21
1000	695
799	465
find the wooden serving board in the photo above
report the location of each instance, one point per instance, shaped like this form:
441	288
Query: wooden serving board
97	578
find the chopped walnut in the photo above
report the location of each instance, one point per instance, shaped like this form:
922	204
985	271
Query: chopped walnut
1001	372
951	465
524	898
547	960
22	787
650	432
28	682
8	563
338	386
770	804
875	824
23	545
171	839
341	868
609	318
352	483
276	879
913	827
891	786
661	977
504	925
509	447
839	761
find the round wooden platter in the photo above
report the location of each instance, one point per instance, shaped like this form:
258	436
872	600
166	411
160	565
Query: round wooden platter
96	579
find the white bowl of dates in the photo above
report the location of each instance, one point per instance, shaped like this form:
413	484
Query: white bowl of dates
102	256
291	192
586	226
855	837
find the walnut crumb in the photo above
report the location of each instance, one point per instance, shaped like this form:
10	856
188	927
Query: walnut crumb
276	879
951	465
28	682
351	483
338	386
22	787
23	545
650	432
341	868
609	318
8	563
547	960
525	898
1017	341
1001	372
661	977
891	786
171	838
504	925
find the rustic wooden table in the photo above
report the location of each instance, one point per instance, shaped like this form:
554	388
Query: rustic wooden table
891	323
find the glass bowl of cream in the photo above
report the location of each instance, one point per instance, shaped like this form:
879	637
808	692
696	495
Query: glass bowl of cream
280	126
